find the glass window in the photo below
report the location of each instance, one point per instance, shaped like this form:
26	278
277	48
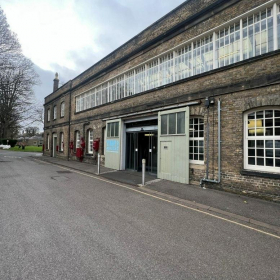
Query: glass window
173	123
54	112
152	74
166	69
77	139
140	79
49	115
262	140
129	83
90	141
61	141
113	129
196	140
62	109
183	63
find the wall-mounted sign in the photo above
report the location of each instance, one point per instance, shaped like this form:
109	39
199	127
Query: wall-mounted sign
112	146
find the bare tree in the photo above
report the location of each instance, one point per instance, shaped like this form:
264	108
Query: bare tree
17	78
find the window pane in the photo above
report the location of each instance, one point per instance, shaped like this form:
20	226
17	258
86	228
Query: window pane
172	124
269	162
109	130
251	152
260	161
181	122
164	124
251	160
117	129
251	143
112	130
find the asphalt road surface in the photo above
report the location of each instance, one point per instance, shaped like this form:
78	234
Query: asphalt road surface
60	224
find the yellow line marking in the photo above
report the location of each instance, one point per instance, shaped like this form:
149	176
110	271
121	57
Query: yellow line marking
165	200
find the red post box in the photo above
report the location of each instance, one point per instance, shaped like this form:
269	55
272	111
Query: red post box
43	147
79	153
57	148
95	144
83	143
71	145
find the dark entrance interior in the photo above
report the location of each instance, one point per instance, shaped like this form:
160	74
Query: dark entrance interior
141	145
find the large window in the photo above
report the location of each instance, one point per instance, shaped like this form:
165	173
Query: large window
61	143
62	109
197	140
248	36
77	139
49	115
173	123
90	141
54	112
113	129
262	140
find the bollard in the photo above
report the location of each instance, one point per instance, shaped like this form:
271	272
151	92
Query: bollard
143	171
98	164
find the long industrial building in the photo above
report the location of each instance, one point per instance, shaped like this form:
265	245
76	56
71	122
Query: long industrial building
196	94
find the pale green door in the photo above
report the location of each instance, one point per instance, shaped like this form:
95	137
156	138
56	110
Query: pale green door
173	140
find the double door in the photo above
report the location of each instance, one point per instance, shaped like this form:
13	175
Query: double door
142	145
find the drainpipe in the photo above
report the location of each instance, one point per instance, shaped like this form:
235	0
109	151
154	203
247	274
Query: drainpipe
69	124
219	150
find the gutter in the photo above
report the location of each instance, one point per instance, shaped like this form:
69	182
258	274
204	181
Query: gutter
206	179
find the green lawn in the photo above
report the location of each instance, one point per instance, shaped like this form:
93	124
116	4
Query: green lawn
27	149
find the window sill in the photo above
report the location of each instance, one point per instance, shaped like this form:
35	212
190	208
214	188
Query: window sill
260	174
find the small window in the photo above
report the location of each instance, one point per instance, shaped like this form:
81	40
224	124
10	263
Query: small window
262	140
196	140
54	112
172	124
61	142
49	115
62	108
90	141
113	129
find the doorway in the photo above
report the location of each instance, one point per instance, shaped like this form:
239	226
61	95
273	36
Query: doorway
142	145
54	144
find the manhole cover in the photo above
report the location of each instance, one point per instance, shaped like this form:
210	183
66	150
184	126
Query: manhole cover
63	171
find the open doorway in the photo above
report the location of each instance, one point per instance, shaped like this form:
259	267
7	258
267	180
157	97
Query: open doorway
142	145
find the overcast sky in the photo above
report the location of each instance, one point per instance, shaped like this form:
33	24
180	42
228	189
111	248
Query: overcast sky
69	36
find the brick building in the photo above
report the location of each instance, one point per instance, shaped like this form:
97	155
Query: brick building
196	94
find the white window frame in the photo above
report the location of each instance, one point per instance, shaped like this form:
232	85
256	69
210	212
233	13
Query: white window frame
49	115
62	109
247	166
77	139
90	141
54	112
61	141
197	139
232	49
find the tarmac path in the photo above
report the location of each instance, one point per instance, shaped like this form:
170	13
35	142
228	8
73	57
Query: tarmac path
60	224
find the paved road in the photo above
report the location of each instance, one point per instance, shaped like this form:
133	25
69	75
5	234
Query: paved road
58	224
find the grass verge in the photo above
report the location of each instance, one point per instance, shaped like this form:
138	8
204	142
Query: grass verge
27	149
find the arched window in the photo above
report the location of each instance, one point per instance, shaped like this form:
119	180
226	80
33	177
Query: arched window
89	141
197	140
54	112
62	109
49	115
262	139
77	139
61	143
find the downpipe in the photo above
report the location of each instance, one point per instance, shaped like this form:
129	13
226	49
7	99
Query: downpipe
219	151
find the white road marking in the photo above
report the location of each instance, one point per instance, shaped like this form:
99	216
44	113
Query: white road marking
166	200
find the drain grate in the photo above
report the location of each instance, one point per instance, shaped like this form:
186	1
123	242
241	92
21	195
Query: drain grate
64	172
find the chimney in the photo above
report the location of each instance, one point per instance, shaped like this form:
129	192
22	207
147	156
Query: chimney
55	82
